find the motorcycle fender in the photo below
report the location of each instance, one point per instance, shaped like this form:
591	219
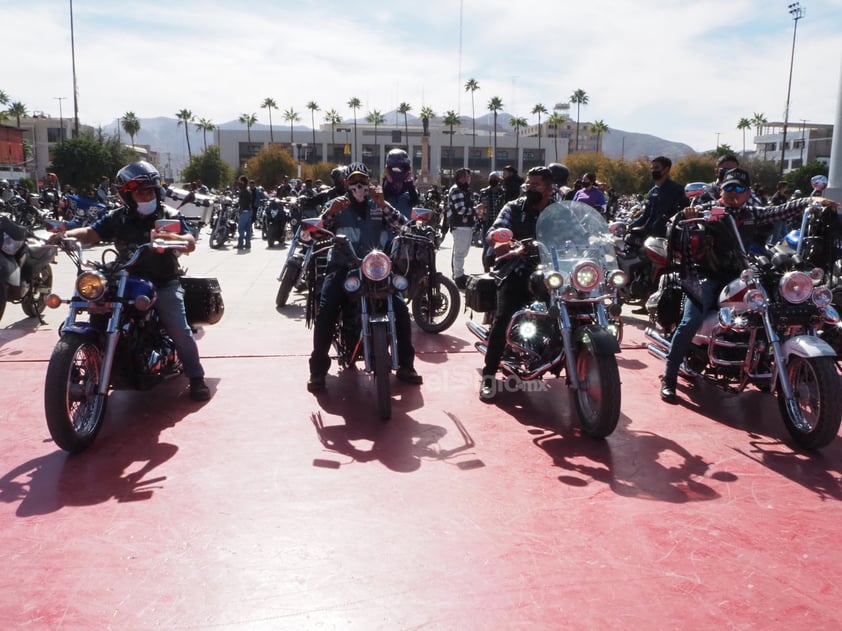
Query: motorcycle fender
807	346
600	340
81	328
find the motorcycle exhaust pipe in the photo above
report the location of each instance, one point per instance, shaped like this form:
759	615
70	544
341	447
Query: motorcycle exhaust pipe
482	347
477	329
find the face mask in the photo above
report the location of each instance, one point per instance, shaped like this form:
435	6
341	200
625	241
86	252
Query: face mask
358	192
462	185
494	183
656	175
147	208
533	197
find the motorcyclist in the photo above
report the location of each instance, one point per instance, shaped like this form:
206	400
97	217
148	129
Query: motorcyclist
364	217
398	185
560	176
520	216
133	224
337	176
712	259
664	199
491	201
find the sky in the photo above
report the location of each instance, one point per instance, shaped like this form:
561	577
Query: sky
683	70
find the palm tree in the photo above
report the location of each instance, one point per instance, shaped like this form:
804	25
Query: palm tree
17	109
494	106
248	120
451	119
313	107
555	121
472	86
291	116
268	104
758	120
579	98
354	103
130	125
743	124
333	118
205	125
4	98
517	123
427	114
404	108
599	128
539	109
375	118
185	117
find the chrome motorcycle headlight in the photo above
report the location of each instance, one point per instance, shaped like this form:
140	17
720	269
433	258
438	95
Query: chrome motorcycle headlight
305	236
586	276
831	315
376	266
822	296
617	279
796	287
554	280
400	282
817	274
90	285
754	300
352	283
726	317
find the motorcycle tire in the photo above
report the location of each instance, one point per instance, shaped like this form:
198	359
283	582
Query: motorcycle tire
816	387
382	369
2	299
34	306
447	301
219	235
598	397
288	277
73	408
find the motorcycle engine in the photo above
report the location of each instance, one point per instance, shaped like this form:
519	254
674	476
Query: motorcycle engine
535	334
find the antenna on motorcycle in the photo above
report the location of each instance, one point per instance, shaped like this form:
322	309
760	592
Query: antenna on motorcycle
697	189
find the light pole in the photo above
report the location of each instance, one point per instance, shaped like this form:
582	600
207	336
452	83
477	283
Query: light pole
60	117
717	142
797	12
803	124
75	90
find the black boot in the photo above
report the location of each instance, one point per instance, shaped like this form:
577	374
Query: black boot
668	390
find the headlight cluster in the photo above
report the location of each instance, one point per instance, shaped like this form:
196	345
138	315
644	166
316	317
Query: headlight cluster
90	285
554	280
376	266
586	276
796	287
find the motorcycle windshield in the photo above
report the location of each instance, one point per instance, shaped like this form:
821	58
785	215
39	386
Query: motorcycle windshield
568	232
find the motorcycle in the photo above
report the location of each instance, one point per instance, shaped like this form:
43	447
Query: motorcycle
365	329
642	258
121	344
765	333
32	260
274	222
294	271
433	298
567	327
225	222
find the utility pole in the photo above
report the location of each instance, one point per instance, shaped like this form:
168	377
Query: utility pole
60	117
797	12
75	89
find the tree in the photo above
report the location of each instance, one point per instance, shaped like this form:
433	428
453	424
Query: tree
185	117
743	124
83	160
404	109
554	122
17	109
472	86
333	119
313	107
354	103
427	114
494	106
270	104
130	125
579	98
248	120
451	119
210	168
758	120
517	123
539	109
800	178
4	98
291	116
270	165
599	128
205	125
375	118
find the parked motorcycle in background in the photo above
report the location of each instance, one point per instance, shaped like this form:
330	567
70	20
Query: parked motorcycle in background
26	275
224	222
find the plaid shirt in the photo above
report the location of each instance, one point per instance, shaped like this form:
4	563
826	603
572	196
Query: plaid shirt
462	211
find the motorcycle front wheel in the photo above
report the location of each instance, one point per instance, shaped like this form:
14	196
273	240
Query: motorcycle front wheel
73	408
34	306
288	277
598	396
446	302
382	368
219	235
814	417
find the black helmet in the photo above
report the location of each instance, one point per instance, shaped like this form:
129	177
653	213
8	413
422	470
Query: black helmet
338	174
137	176
560	173
398	165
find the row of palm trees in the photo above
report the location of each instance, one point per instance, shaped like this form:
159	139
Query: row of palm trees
757	121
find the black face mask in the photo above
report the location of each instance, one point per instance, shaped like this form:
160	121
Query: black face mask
656	175
462	185
533	197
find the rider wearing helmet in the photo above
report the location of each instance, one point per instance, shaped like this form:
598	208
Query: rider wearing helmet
398	184
133	224
338	176
560	176
367	220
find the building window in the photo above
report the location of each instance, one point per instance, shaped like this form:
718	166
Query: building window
53	134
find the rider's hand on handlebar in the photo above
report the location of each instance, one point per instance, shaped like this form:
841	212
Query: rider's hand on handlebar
339	204
503	248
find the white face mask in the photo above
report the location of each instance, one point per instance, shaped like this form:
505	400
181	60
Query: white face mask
147	208
358	191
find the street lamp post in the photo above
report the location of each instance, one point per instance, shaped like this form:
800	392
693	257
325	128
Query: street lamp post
75	90
803	125
60	117
797	12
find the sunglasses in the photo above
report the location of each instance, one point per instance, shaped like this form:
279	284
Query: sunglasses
734	188
357	182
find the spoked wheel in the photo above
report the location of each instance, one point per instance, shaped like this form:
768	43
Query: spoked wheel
73	408
219	235
382	368
288	277
34	306
598	397
439	314
813	418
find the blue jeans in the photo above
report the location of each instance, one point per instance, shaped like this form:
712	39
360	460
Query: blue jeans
170	307
244	229
690	323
